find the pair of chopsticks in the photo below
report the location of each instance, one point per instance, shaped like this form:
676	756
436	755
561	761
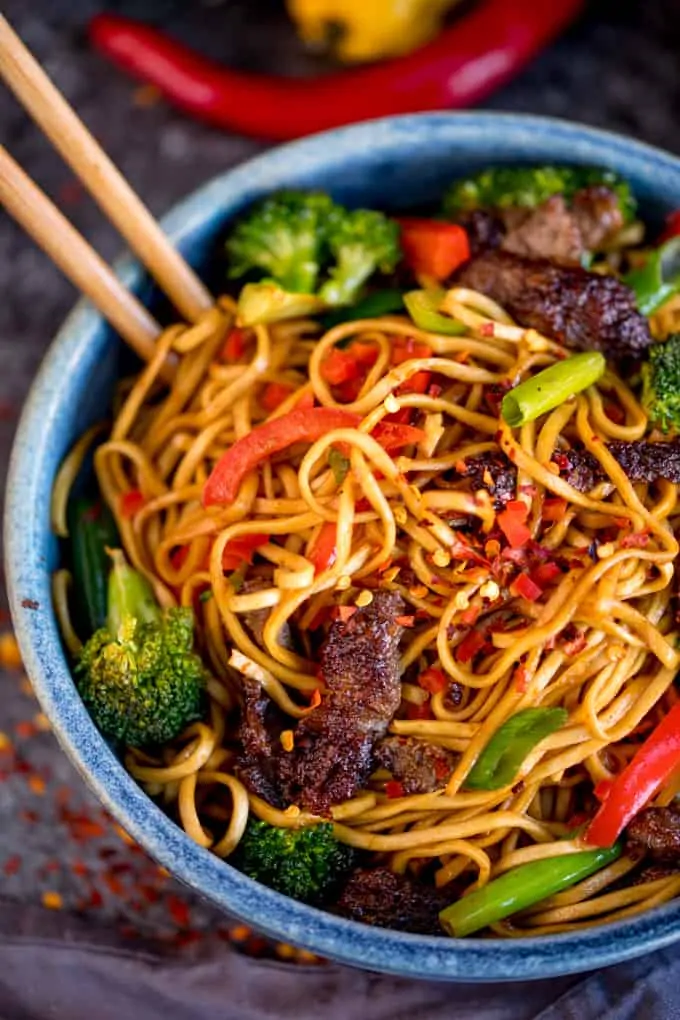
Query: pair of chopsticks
43	221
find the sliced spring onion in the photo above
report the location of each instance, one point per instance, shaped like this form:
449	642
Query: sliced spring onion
521	887
500	761
659	278
423	305
551	387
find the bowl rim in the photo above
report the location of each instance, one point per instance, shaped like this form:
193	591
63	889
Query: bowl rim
388	951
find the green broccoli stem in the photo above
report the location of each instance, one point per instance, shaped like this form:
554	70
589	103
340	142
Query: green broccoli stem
129	595
355	265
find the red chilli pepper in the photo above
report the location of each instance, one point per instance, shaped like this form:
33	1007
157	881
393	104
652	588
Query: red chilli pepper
480	52
525	588
643	776
433	680
434	248
302	425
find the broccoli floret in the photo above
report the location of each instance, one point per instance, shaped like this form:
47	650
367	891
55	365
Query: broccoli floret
362	242
661	383
284	238
499	187
138	676
306	864
268	302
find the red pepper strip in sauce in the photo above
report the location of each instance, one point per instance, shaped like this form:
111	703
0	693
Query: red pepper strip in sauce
323	553
241	550
481	51
301	425
649	768
394	436
433	248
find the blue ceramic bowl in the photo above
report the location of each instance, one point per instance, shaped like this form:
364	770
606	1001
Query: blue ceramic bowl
393	163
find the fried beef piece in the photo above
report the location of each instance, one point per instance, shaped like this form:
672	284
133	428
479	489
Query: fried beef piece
419	767
642	461
553	230
332	754
550	231
379	897
582	310
495	473
655	832
597	212
259	731
484	229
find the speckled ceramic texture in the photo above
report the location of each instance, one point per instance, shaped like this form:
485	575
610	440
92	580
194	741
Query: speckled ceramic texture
394	163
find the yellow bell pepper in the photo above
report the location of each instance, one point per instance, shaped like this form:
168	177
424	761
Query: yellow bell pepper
368	29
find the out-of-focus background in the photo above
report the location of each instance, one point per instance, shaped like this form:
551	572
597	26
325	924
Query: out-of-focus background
616	67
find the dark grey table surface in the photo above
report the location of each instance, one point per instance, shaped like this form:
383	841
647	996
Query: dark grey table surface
617	68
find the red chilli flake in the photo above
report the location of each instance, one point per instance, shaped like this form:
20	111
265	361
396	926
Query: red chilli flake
405	621
469	646
637	541
394	789
12	865
525	588
416	712
433	680
520	680
179	911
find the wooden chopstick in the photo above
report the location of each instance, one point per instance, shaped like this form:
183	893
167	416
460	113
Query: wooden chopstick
50	110
40	218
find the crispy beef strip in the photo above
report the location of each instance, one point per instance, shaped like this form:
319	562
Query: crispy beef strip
641	460
379	897
581	310
655	832
332	756
419	767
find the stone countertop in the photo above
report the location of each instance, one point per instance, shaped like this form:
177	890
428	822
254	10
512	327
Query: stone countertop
616	68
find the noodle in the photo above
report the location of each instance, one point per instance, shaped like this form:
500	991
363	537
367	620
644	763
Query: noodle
396	528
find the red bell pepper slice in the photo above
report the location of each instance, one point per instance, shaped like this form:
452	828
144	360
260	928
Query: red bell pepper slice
323	553
433	248
235	345
405	348
241	550
343	366
301	425
393	436
644	775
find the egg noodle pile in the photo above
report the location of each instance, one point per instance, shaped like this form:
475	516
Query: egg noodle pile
599	641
